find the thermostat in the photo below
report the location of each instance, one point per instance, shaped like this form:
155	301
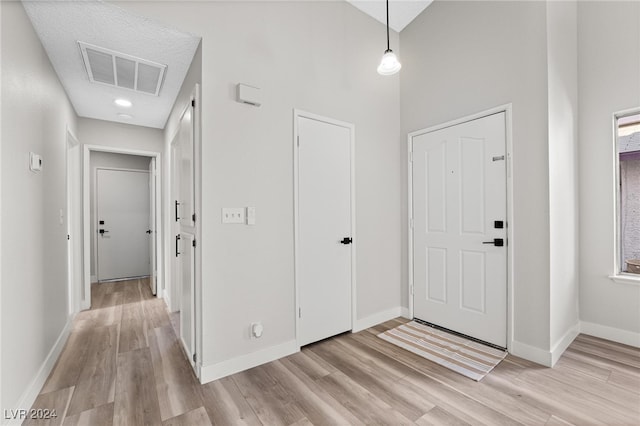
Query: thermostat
249	94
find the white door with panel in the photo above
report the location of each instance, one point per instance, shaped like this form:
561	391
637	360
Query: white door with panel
183	193
459	232
122	212
324	234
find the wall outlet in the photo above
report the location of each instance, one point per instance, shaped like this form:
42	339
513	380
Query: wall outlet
233	215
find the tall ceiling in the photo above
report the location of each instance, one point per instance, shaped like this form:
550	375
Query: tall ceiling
401	12
63	25
60	25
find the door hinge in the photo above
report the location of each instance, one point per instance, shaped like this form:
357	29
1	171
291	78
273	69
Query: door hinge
193	217
298	140
411	223
411	290
193	104
193	243
195	357
411	156
299	312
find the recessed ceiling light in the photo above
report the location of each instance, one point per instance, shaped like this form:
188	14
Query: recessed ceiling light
126	116
123	102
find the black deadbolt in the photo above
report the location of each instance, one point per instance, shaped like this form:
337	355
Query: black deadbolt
498	224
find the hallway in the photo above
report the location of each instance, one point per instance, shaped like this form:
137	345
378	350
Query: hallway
123	365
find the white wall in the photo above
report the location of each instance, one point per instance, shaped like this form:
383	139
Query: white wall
35	113
609	82
316	56
108	159
461	58
119	135
562	64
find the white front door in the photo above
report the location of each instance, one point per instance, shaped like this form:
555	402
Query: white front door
323	229
123	221
459	213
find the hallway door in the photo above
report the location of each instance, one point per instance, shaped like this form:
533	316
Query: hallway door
324	228
122	212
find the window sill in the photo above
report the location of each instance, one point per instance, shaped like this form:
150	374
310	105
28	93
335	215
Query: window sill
626	278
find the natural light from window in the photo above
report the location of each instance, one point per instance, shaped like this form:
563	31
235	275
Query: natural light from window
628	152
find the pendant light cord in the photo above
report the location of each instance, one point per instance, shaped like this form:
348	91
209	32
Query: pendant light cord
388	49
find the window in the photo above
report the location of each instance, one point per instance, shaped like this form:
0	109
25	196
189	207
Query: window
628	196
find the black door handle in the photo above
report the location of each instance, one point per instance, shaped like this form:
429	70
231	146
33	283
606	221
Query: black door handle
102	232
177	204
177	242
148	231
498	242
346	240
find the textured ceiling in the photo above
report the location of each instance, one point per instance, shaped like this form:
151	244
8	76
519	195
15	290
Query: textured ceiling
61	24
401	12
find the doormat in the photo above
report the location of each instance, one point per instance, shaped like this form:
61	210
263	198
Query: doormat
471	359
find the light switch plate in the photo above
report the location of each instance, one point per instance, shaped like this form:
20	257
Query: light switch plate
233	215
251	215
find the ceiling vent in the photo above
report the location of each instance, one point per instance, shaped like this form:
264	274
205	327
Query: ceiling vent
117	69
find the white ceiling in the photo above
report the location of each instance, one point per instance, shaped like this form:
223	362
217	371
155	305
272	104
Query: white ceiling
61	24
401	12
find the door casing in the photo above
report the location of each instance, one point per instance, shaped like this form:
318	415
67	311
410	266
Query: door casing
510	223
86	219
297	113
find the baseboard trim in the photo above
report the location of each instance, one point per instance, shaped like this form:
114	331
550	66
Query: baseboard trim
94	279
531	353
564	342
404	312
618	335
375	319
209	373
33	390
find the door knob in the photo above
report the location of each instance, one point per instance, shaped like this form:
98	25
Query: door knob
148	231
346	240
498	242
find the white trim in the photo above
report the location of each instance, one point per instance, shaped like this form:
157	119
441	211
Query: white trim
531	353
209	373
33	390
86	216
563	343
618	335
507	109
94	279
618	275
623	278
297	113
377	318
404	313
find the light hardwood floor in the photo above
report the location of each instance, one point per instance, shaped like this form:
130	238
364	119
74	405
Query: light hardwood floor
123	365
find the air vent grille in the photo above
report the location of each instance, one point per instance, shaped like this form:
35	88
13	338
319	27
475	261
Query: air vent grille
117	69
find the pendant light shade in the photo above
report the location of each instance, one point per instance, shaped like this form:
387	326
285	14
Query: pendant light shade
389	64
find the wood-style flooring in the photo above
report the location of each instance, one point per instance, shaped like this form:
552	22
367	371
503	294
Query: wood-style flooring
123	365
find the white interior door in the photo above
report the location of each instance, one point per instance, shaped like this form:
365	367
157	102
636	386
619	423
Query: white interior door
123	221
187	175
324	231
186	252
459	200
153	274
175	222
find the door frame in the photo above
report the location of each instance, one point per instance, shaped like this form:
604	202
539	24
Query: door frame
86	217
507	109
297	113
94	201
73	168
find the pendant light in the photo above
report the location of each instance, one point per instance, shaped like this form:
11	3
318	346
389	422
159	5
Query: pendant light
389	64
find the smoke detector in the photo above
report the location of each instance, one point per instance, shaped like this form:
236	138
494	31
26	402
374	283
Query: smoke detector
117	69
